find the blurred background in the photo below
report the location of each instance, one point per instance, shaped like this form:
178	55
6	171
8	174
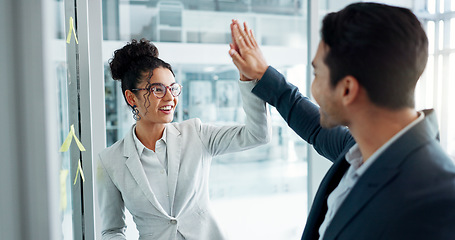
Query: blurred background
57	76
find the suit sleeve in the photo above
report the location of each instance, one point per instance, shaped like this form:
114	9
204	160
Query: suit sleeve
111	205
256	130
301	114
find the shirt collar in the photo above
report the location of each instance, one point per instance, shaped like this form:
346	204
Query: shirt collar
140	147
354	156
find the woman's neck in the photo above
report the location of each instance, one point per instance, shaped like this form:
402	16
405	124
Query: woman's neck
148	134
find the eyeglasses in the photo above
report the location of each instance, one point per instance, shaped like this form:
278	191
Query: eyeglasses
159	89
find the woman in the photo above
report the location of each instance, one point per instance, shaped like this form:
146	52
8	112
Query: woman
160	170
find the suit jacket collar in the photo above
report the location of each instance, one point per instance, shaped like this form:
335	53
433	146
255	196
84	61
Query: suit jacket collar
174	149
319	206
380	173
134	164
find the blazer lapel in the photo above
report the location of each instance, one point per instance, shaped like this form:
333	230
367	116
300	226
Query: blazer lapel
382	172
134	165
319	206
360	195
173	142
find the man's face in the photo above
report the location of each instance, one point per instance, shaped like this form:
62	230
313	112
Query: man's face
324	94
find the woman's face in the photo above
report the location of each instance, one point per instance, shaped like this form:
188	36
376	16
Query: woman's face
159	110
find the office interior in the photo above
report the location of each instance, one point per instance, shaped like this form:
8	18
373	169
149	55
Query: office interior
60	106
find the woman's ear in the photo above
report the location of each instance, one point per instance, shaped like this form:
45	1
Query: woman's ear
131	98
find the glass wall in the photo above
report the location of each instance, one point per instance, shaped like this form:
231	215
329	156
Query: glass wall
75	60
193	36
61	72
436	85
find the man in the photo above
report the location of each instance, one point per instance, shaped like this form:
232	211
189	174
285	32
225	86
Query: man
390	179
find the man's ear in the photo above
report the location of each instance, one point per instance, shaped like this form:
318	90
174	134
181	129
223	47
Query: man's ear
349	89
131	98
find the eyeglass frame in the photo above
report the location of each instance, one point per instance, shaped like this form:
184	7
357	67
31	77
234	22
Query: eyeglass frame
165	92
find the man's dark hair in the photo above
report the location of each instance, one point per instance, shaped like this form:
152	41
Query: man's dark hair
384	47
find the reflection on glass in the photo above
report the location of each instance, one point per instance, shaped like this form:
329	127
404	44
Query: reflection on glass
203	21
59	59
196	36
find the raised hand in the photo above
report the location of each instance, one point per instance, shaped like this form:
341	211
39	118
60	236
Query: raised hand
245	52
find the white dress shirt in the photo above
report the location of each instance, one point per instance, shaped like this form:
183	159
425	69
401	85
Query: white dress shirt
155	168
352	175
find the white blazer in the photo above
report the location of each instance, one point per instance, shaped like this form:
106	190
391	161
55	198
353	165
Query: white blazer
121	180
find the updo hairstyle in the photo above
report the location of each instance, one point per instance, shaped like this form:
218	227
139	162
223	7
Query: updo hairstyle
132	61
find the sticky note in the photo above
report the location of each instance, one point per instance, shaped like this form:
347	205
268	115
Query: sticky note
79	170
71	30
66	144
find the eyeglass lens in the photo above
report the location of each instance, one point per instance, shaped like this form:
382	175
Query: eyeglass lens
160	90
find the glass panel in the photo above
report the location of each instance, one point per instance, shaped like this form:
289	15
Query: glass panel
436	84
431	6
431	36
60	63
425	87
439	87
193	37
451	115
452	33
441	35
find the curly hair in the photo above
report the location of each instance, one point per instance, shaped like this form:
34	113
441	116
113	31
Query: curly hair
132	61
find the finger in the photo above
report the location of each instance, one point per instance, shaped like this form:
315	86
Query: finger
253	39
234	32
239	39
232	27
245	27
237	59
234	45
247	35
244	35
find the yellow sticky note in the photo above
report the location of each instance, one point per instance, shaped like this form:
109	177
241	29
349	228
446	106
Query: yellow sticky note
75	37
63	199
66	144
71	30
79	144
79	170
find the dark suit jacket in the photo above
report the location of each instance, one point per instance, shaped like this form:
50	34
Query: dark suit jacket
407	193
